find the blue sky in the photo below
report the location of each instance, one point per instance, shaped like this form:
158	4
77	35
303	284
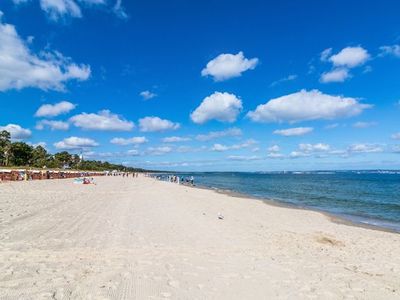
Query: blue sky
205	85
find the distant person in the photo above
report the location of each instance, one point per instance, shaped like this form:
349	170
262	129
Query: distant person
191	180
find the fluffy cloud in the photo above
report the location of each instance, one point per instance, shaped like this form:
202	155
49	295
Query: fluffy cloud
226	66
153	124
365	148
130	141
16	131
175	139
306	150
396	136
390	50
326	54
307	105
103	120
74	143
347	58
364	124
274	149
297	131
53	110
298	154
223	107
275	155
133	152
119	10
57	9
336	75
147	95
217	134
53	125
20	68
309	148
220	147
350	57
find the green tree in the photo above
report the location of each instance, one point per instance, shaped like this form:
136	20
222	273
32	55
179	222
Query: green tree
39	157
21	154
63	158
5	145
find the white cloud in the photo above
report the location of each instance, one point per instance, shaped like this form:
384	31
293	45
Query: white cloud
133	152
326	54
137	140
231	132
103	120
285	79
58	8
226	66
53	125
16	131
307	105
365	148
147	95
364	124
390	50
350	57
223	107
298	154
396	136
309	148
53	110
119	10
347	58
274	149
336	75
306	150
20	68
175	139
297	131
153	124
275	155
74	143
220	147
158	150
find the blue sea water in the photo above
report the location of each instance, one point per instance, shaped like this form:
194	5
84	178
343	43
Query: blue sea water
368	197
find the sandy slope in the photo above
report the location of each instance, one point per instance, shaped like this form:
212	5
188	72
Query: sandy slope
144	239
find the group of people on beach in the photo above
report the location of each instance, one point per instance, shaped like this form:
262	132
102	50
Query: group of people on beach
123	174
176	179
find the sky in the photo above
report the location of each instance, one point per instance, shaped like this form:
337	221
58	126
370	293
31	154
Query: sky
205	85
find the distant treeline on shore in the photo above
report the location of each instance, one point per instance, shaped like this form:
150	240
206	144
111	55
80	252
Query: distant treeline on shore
20	154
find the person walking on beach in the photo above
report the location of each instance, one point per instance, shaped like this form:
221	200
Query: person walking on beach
191	180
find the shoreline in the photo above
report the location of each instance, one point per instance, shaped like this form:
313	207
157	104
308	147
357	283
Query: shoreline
337	219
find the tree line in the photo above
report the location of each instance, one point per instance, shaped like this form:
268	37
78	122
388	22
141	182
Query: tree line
20	154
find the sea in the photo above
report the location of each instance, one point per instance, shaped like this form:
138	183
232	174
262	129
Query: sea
364	197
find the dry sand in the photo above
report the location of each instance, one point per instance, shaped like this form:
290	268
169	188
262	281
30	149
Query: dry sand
128	238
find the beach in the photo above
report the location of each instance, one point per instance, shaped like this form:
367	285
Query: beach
139	238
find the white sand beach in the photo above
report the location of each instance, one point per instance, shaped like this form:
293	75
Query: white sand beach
139	238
